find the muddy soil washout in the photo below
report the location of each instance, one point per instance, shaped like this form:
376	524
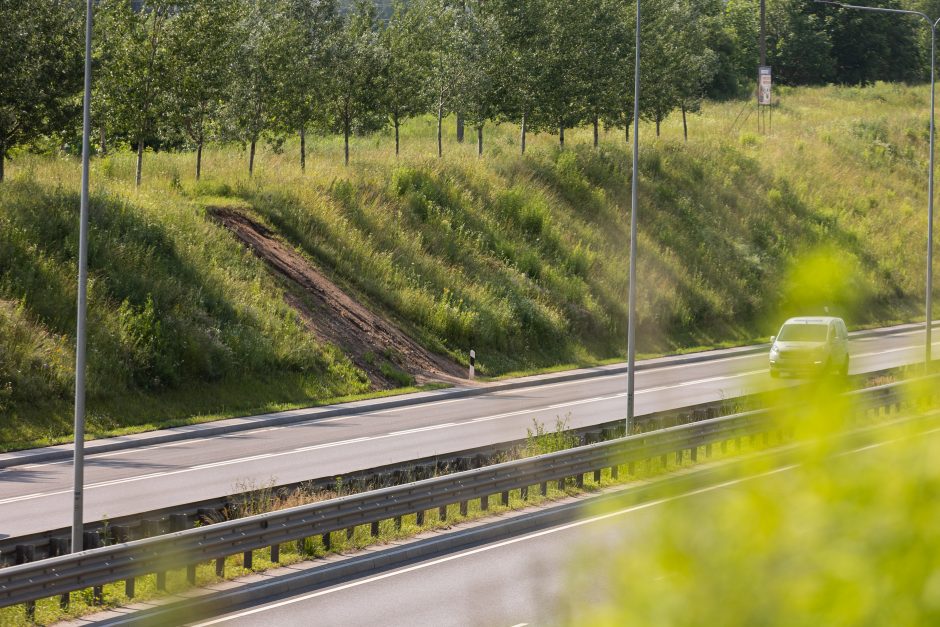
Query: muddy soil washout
366	337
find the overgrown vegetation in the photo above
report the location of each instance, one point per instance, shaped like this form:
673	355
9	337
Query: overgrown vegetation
521	258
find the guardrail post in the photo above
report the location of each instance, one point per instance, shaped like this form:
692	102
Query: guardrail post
276	553
485	502
92	540
543	488
504	498
615	472
679	457
220	567
26	553
693	453
57	547
524	493
419	518
122	534
247	559
350	532
464	508
561	484
579	480
442	513
597	476
398	520
708	450
374	529
328	541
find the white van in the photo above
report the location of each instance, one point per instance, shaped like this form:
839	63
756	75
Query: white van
810	346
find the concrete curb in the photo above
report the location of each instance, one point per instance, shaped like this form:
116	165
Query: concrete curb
232	425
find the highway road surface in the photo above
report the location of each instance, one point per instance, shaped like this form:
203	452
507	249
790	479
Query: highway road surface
542	578
37	497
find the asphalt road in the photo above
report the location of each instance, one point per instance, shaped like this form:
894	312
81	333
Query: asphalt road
541	578
37	497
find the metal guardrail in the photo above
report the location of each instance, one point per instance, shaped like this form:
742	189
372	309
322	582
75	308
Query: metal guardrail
26	583
52	542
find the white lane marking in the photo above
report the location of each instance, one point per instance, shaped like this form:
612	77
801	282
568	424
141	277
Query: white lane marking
520	412
481	419
894	350
490	547
239	460
545	532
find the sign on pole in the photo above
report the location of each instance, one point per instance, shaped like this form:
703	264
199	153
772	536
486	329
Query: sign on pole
763	85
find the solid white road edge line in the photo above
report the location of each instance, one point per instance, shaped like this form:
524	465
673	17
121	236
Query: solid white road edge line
544	532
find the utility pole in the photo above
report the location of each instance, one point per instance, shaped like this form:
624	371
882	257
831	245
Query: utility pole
634	195
80	331
763	32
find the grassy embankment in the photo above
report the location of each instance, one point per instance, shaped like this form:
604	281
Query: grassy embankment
522	259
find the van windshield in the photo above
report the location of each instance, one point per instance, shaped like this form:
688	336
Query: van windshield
803	333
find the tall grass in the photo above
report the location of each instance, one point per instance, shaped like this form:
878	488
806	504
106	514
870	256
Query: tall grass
522	258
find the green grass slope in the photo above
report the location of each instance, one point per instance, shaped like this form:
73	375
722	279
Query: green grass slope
523	259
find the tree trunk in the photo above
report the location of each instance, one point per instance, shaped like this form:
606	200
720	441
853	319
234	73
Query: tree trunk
658	120
595	131
459	128
685	127
199	160
3	158
104	145
440	122
251	159
397	123
480	140
346	141
626	131
561	134
524	120
303	148
140	159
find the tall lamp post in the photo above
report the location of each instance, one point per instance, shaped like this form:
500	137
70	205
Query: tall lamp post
80	331
631	315
933	46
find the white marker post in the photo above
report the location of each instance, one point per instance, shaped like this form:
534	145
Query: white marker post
473	360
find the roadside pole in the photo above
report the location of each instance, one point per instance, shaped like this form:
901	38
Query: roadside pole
631	315
932	24
80	332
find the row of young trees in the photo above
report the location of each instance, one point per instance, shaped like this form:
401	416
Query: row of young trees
181	73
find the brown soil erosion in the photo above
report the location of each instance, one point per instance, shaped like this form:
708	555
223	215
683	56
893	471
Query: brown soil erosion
374	343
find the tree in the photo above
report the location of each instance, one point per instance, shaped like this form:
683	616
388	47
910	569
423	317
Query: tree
259	74
354	102
406	48
41	52
519	70
603	48
563	59
201	56
135	78
313	25
446	64
695	65
661	44
475	44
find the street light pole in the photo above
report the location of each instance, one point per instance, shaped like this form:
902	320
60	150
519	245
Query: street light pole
631	315
80	332
933	45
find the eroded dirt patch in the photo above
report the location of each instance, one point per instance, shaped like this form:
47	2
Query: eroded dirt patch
373	343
